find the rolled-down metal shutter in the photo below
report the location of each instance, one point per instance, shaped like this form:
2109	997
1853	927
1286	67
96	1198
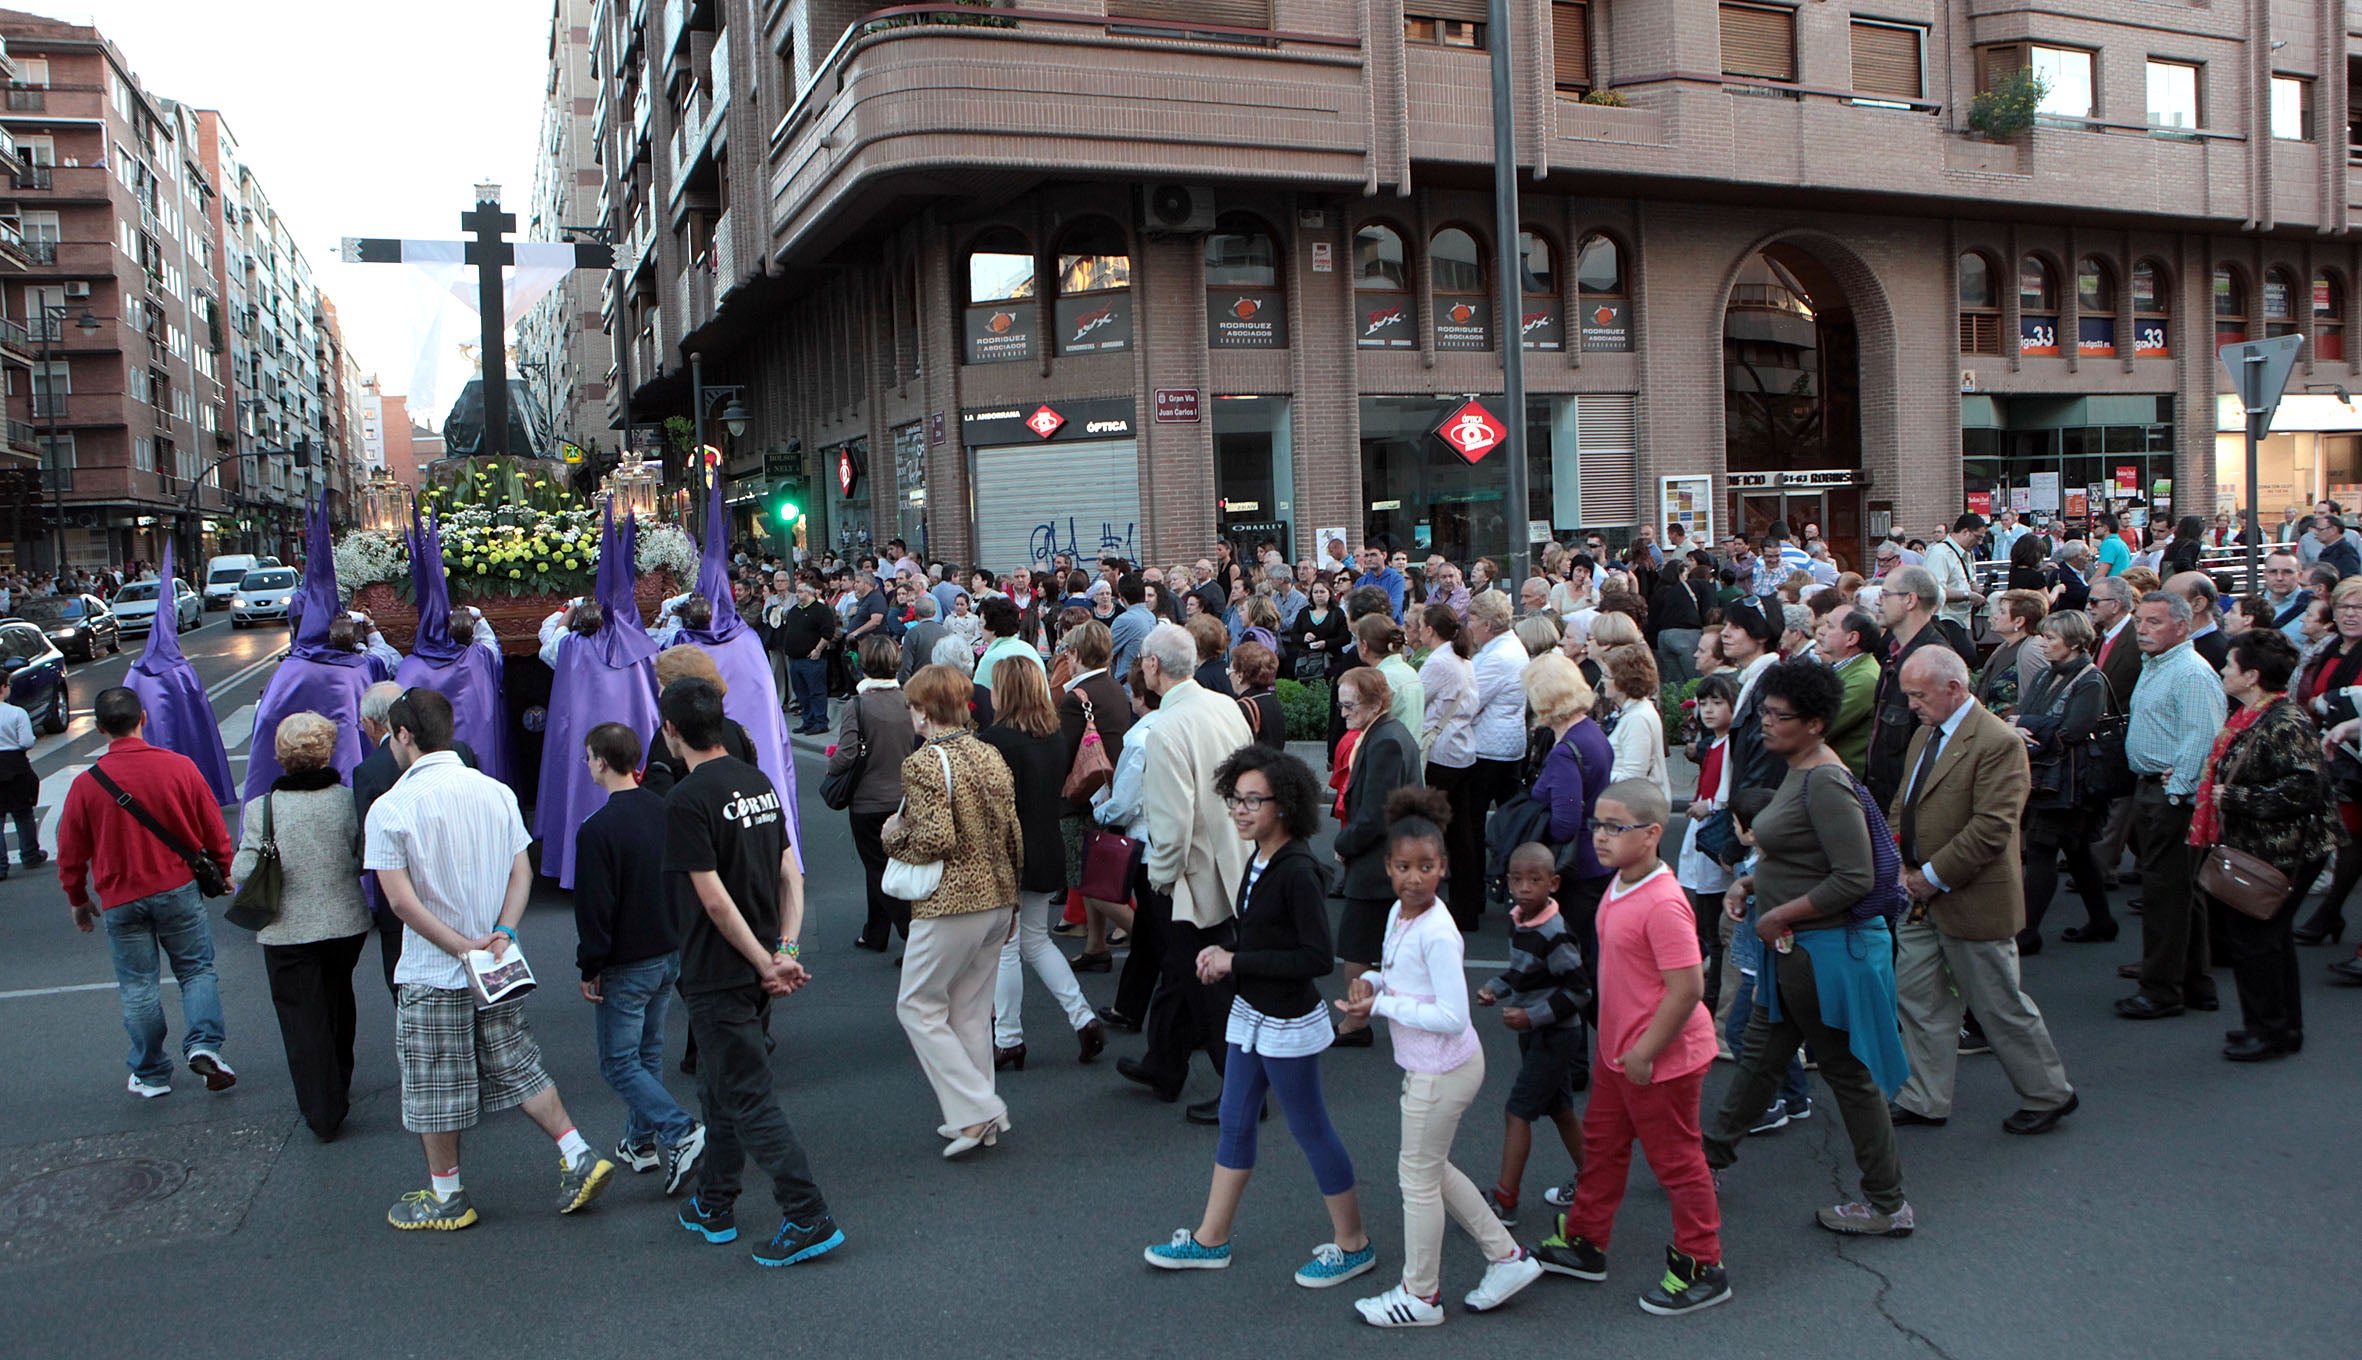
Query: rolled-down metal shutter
1470	11
1570	44
1232	13
1886	60
1033	500
1759	41
1607	440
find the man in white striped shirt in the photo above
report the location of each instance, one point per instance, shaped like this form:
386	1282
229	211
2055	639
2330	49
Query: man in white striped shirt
448	848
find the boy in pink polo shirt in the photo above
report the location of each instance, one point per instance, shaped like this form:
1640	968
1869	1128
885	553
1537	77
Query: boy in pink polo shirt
1655	1043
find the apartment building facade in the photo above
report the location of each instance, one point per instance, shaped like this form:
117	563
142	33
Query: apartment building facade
563	338
1129	274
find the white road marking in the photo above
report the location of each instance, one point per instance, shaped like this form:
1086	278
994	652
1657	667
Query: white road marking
53	802
238	728
77	987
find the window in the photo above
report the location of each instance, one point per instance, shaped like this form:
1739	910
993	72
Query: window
1463	310
1539	323
2038	308
32	71
1606	301
1227	13
1094	290
1759	41
1381	289
1887	61
1001	308
2173	94
57	451
1245	307
2292	108
2230	306
143	453
1980	305
37	149
1446	23
2095	309
2279	303
2065	73
1570	46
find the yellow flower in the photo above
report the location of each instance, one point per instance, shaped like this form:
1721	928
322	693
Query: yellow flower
515	575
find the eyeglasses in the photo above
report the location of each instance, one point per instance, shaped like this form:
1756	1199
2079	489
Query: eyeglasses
1249	802
1619	828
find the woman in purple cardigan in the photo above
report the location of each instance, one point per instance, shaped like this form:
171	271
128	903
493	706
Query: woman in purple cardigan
1573	774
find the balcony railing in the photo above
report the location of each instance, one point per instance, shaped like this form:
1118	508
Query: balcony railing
15	333
52	404
41	252
33	177
27	98
21	434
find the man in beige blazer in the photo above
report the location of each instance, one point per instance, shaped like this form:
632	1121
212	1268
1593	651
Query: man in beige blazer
1957	814
1195	858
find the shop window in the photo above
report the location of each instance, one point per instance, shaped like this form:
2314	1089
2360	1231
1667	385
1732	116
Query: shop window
2152	312
1759	42
2038	308
2230	306
1570	46
1540	323
2292	108
1463	311
1887	61
2095	309
1447	23
1980	305
1245	306
1605	296
1384	317
1002	308
2329	317
2279	303
1094	305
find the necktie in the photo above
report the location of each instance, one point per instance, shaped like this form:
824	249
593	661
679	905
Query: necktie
1919	777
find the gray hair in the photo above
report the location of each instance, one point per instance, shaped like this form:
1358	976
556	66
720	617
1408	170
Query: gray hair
1280	575
1798	618
378	700
924	606
1173	650
1918	581
2177	606
2112	588
954	651
1940	664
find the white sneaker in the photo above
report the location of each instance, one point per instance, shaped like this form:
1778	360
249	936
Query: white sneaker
1502	1279
680	1161
1560	1196
1399	1307
148	1090
208	1064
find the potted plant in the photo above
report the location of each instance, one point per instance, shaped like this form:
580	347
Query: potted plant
2006	111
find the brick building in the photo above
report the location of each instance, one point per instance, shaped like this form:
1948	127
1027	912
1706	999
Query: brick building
563	340
1132	273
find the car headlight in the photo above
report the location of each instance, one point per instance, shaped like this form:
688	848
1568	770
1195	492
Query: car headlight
237	602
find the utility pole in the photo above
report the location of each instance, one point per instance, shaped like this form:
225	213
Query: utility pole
1508	270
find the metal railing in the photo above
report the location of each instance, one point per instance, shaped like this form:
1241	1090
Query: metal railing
14	332
27	98
33	177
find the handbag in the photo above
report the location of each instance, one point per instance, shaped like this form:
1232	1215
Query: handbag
1091	768
2245	883
210	878
257	902
838	786
908	882
1108	864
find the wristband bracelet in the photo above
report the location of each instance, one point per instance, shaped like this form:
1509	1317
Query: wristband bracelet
510	931
790	948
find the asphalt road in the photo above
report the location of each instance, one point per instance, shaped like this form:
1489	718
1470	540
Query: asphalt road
2191	1209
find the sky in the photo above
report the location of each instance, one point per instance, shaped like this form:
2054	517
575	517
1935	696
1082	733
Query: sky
359	120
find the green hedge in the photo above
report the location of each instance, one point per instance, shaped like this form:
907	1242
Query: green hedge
1669	703
1307	707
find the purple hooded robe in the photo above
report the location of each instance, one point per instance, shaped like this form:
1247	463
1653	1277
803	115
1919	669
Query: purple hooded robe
180	716
314	678
470	677
609	676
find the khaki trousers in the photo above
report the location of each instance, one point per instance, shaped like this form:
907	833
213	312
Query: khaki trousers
1935	976
1432	1103
945	1007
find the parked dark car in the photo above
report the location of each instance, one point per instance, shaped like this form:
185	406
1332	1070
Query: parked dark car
78	624
36	674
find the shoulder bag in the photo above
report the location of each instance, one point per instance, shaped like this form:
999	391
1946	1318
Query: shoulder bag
2247	884
837	789
910	882
1091	768
211	881
258	899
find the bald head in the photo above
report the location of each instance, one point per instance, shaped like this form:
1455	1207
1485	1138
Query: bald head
1935	681
2198	588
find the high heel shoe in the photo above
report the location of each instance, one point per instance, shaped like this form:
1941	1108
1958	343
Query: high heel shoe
1007	1059
1092	1038
987	1134
1087	962
2317	931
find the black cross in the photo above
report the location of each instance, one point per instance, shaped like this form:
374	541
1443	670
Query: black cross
488	253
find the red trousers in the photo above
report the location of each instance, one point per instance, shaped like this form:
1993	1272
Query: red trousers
1664	1117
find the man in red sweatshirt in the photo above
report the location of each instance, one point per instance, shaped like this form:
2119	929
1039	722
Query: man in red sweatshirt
147	894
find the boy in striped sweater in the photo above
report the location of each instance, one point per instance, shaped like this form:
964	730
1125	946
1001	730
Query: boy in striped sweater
1546	989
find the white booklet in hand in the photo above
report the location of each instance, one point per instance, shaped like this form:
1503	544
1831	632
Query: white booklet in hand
495	980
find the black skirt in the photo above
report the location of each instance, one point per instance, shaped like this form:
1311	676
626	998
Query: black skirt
20	788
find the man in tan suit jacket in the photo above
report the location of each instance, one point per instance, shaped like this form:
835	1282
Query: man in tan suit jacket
1195	859
1957	814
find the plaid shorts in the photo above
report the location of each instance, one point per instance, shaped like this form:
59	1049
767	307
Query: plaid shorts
458	1062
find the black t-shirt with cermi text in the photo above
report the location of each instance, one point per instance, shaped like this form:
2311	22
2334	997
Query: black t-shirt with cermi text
723	817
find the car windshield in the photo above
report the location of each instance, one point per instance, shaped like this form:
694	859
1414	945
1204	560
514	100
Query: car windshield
225	576
267	580
50	608
137	590
21	642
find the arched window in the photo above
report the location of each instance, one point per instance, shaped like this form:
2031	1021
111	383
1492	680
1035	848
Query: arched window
1245	307
1980	305
2038	308
1463	309
2279	303
2152	312
1384	316
1539	322
2329	317
1002	310
1601	288
2095	309
2230	306
1094	289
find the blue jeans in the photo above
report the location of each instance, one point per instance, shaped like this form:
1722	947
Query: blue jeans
809	678
1792	1089
177	921
631	1048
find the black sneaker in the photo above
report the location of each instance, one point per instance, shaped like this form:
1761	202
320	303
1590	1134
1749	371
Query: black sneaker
714	1225
1687	1287
797	1242
1564	1255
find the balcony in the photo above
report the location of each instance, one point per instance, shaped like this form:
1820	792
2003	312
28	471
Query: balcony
16	337
7	63
22	435
27	98
67	183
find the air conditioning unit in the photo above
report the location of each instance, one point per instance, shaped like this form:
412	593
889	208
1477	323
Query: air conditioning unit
1177	210
78	288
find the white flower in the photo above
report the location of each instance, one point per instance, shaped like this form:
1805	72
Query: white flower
667	546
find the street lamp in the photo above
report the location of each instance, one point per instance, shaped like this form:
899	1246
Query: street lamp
53	332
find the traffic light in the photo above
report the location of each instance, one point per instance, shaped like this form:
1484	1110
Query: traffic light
787	503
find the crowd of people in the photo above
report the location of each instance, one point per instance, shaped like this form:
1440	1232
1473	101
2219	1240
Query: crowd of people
1889	768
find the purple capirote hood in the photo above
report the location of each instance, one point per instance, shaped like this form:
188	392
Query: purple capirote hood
180	714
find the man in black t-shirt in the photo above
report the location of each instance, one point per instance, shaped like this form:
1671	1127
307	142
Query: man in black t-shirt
737	891
805	632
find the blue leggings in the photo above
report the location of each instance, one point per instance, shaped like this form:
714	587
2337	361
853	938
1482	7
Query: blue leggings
1246	1078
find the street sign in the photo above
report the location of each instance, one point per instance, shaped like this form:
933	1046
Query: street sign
1472	431
1044	421
2259	372
779	466
1176	406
